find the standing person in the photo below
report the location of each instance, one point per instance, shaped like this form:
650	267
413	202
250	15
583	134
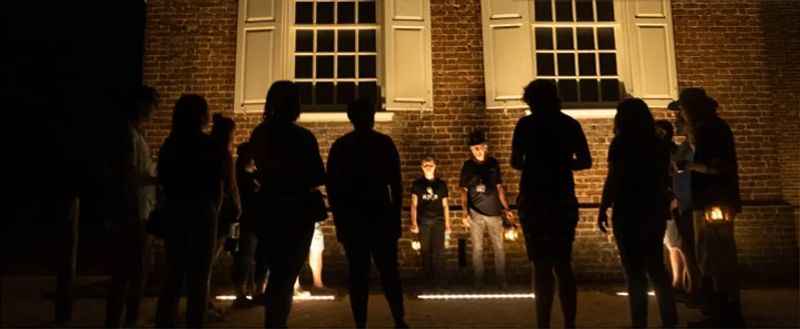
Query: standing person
314	262
547	147
715	188
484	202
222	131
129	265
290	171
365	193
637	187
191	171
682	189
245	257
430	218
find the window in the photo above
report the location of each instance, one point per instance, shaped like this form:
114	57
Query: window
336	52
575	45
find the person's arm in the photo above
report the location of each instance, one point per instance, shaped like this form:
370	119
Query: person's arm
518	147
413	214
610	188
446	209
583	158
501	193
464	207
234	189
396	185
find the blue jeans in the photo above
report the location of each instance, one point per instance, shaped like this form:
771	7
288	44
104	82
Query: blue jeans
480	223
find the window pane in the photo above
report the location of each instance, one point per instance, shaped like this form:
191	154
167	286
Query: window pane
566	64
584	11
543	10
324	91
347	66
366	12
304	41
609	89
589	92
585	39
564	10
345	92
367	90
324	67
324	12
325	40
544	38
347	12
564	38
605	38
303	67
304	13
587	64
568	89
347	40
305	91
605	10
366	66
608	64
366	40
545	65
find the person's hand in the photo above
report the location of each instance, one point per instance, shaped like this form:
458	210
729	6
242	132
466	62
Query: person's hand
238	212
414	228
256	185
511	216
602	221
447	229
465	221
674	204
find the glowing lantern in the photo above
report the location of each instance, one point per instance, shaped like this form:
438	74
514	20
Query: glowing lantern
511	234
416	245
716	214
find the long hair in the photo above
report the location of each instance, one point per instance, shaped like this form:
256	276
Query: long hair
283	102
222	129
698	105
633	121
190	115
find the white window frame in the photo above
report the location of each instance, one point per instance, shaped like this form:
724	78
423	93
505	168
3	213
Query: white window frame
627	15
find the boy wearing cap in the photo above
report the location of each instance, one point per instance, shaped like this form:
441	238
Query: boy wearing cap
484	202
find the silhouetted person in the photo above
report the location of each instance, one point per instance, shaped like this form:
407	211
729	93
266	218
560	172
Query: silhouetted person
715	184
484	203
222	131
244	258
365	193
290	169
191	171
430	218
547	147
682	189
129	240
637	187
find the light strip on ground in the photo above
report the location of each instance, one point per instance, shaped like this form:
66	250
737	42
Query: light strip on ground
625	293
474	296
318	297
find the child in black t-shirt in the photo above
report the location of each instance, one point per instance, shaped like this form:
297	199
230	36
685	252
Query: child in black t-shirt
430	217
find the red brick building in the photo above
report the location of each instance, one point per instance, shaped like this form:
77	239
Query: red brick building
447	67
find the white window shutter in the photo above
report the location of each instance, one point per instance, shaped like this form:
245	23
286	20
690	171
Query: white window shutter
507	51
651	43
259	53
408	80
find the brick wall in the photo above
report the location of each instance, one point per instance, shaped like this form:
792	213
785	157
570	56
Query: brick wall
726	46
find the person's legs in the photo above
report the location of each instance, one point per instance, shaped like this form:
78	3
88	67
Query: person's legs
315	256
244	264
477	226
385	255
692	272
139	277
436	252
358	260
167	309
285	264
544	287
658	275
425	239
675	262
202	250
122	268
632	257
567	289
68	215
496	233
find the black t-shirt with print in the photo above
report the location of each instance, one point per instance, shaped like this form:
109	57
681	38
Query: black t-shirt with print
429	199
481	180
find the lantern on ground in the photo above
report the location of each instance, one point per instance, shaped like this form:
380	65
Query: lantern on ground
716	214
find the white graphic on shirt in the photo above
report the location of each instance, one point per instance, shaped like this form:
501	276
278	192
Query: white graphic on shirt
430	195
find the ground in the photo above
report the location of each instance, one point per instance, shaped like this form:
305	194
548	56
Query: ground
26	304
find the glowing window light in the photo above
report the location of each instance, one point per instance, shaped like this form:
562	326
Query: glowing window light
318	297
474	296
625	293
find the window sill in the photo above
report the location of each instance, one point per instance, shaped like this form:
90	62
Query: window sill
340	117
